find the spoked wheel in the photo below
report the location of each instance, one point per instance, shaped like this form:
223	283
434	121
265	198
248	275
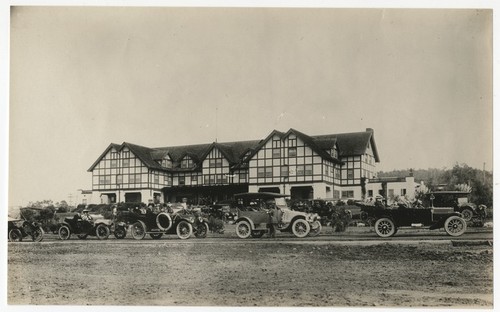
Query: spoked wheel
82	236
202	230
300	228
156	235
315	228
258	234
455	226
120	232
243	229
467	214
64	232
37	235
15	235
384	227
138	230
184	229
102	231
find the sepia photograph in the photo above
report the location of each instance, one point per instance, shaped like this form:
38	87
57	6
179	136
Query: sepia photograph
248	156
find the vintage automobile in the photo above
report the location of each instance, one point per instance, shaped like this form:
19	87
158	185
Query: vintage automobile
21	228
389	220
99	228
181	222
443	201
257	212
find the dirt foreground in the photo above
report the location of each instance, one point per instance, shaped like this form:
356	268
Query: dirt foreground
243	274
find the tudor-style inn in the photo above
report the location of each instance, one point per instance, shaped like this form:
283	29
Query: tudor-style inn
334	166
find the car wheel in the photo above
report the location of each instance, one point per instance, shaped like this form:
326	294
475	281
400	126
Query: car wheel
455	226
258	234
156	235
243	229
37	234
184	229
102	231
202	230
120	232
64	232
138	230
300	228
15	235
384	227
315	229
467	214
82	236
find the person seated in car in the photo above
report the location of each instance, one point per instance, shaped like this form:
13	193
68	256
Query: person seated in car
86	216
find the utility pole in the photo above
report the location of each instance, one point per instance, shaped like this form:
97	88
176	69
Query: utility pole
484	173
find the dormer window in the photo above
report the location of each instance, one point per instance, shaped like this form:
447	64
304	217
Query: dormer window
334	153
166	162
187	162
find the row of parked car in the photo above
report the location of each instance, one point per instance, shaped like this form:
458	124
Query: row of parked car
257	213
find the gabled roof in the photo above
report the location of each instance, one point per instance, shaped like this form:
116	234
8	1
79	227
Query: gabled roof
311	142
354	143
348	144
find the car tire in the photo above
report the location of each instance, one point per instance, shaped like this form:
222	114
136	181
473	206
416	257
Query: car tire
467	214
184	229
315	229
37	235
455	226
202	230
120	232
243	229
64	232
102	231
15	235
384	227
138	230
300	228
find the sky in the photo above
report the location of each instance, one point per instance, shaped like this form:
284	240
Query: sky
84	77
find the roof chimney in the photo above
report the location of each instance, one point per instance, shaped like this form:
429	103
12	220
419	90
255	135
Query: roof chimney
369	130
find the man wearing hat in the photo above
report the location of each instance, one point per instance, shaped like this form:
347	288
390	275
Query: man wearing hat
86	216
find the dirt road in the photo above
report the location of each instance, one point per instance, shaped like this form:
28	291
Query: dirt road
170	272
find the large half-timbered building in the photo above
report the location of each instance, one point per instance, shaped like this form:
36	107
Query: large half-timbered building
332	166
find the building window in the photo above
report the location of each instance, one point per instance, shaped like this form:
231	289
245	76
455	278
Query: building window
403	192
156	178
390	193
334	153
126	162
292	152
182	180
284	171
308	169
167	163
269	172
347	194
221	179
350	174
276	153
215	162
243	177
261	172
135	178
186	163
370	193
119	179
114	155
194	179
114	163
292	142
